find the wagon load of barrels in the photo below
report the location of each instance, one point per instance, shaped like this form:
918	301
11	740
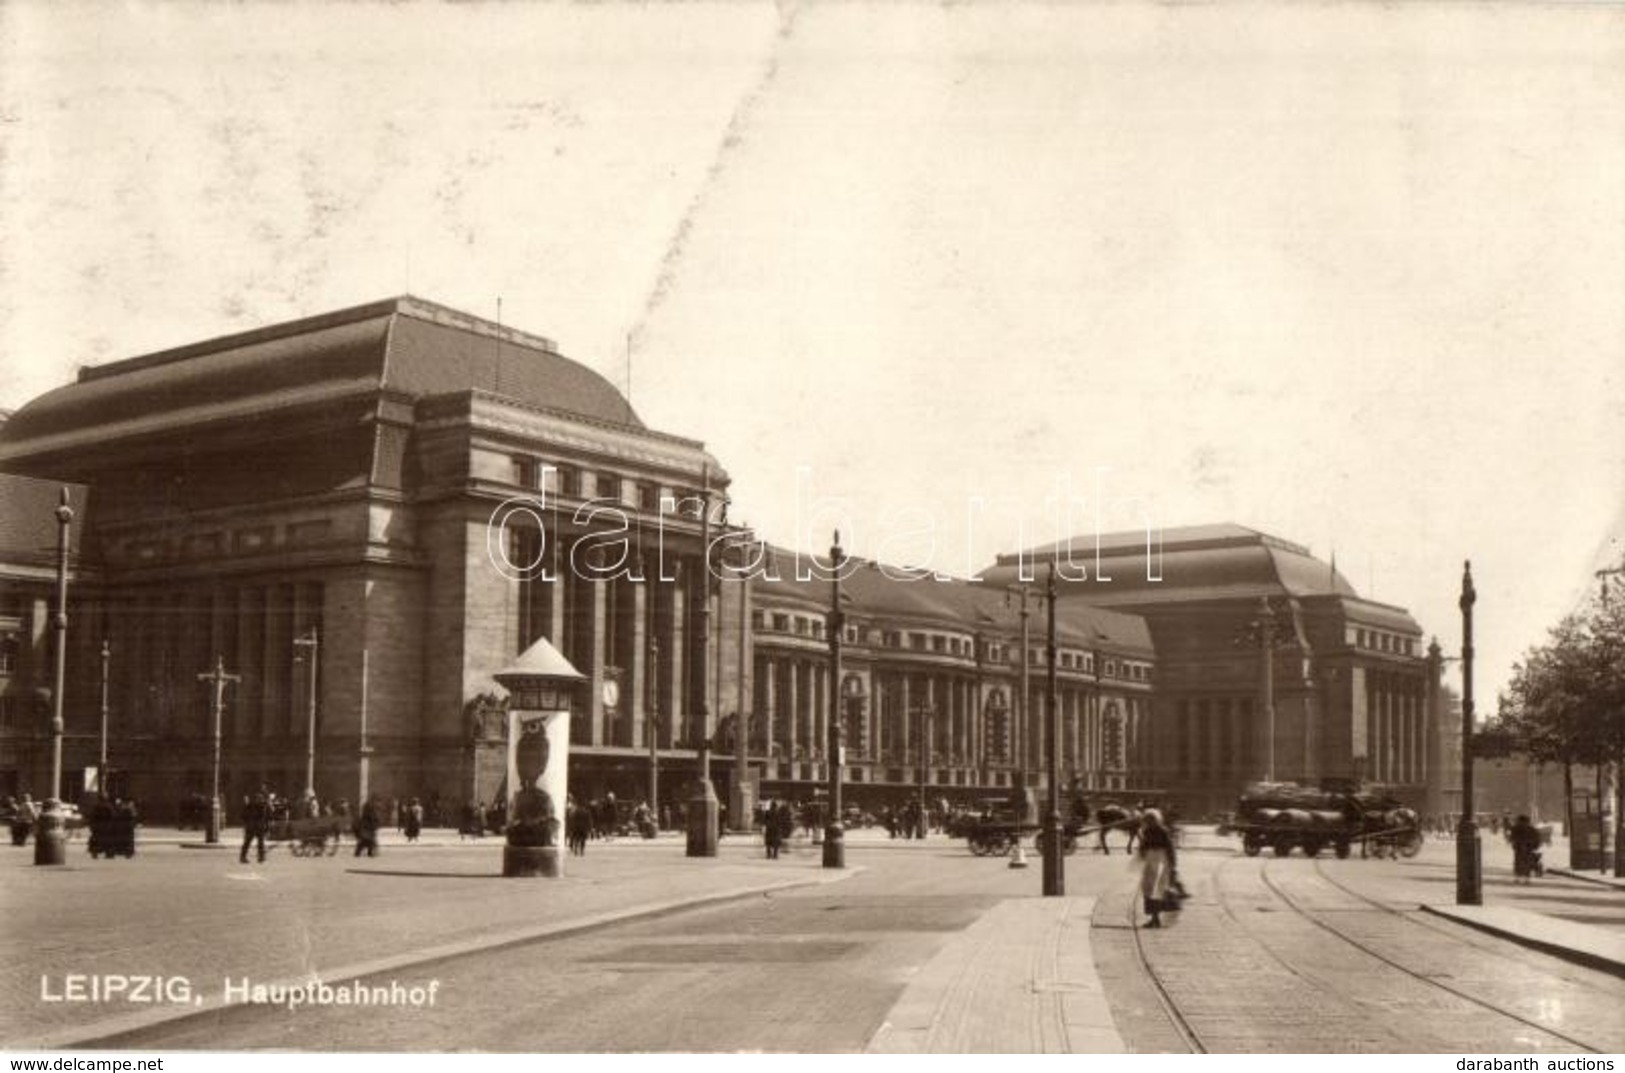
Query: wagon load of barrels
1284	816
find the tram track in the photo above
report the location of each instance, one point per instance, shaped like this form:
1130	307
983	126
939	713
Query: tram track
1170	1008
1467	996
1165	973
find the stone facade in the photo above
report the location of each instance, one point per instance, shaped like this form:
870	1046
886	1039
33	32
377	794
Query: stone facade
1234	613
425	493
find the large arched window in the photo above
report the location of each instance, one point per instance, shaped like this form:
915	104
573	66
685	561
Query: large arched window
1113	738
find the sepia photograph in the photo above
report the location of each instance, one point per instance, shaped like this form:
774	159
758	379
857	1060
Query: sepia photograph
799	527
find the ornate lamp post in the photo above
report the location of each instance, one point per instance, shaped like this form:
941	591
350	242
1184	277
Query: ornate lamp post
50	834
312	643
651	724
218	678
834	833
101	757
704	811
1469	862
1023	724
1267	633
924	717
1054	867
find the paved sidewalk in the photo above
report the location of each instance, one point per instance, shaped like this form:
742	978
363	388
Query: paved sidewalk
1021	980
204	919
1584	944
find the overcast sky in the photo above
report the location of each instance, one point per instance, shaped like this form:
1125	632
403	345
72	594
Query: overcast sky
1350	274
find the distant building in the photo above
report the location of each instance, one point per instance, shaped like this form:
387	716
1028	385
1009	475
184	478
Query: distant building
931	698
1348	674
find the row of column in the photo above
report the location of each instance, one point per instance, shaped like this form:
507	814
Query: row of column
1396	728
1213	738
160	643
965	730
793	695
636	631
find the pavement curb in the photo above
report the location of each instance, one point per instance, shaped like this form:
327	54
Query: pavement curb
1615	882
107	1032
1593	956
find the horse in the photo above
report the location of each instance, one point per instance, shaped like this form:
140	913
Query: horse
1115	817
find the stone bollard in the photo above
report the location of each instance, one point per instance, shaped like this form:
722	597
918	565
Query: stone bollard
51	834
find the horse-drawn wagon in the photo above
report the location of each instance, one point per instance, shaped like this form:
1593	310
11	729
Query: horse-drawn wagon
1287	816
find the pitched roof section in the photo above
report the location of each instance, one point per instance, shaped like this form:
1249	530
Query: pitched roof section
1181	564
1196	563
403	345
952	603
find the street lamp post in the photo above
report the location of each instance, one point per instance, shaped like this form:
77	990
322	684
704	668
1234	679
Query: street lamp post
1054	866
101	756
1266	632
1469	861
50	828
1029	801
311	642
651	723
923	721
704	810
834	834
218	678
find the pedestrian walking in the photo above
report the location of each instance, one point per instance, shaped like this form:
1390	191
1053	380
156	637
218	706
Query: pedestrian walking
772	831
256	822
1525	839
414	820
22	820
577	827
366	829
1156	866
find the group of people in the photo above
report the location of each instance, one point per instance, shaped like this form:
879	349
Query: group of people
22	815
265	808
778	826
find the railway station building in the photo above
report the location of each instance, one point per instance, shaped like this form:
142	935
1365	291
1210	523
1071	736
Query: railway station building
1234	615
423	493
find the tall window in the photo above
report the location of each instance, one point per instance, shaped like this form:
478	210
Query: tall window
8	656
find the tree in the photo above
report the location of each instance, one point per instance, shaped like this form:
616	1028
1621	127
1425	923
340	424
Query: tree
1566	701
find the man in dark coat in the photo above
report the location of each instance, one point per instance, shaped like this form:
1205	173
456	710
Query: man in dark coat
256	822
1525	839
366	829
772	830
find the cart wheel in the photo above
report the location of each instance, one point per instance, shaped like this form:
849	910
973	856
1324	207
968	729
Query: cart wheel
1283	847
1252	845
1410	844
1070	846
1341	848
1312	847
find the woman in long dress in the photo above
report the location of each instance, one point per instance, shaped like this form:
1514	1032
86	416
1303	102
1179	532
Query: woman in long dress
1156	864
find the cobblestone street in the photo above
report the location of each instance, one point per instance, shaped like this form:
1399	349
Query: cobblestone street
915	947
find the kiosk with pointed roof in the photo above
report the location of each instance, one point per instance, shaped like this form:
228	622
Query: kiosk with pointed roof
542	687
